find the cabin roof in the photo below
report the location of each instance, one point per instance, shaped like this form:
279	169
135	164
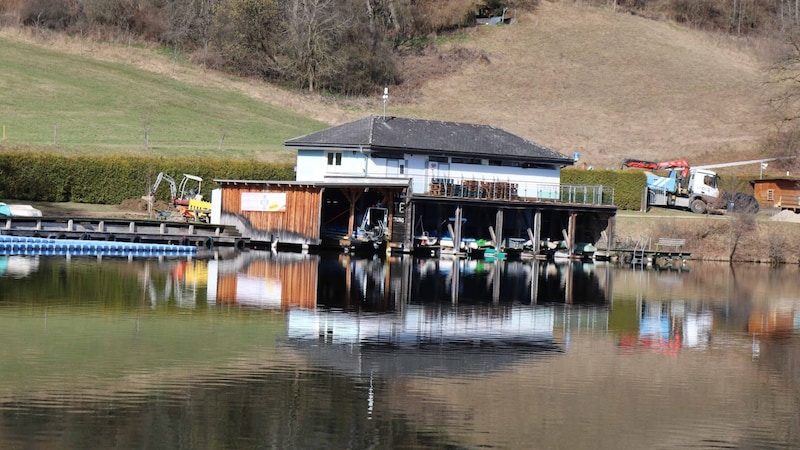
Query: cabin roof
417	136
785	179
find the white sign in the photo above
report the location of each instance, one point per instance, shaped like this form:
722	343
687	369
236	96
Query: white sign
264	201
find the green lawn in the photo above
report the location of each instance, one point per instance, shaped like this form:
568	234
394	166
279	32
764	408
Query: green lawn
79	105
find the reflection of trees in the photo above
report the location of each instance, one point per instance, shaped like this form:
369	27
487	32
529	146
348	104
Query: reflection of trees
87	282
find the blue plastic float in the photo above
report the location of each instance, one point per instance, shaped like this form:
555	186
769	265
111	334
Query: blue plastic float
19	245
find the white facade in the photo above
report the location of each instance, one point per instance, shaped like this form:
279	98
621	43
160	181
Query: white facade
326	165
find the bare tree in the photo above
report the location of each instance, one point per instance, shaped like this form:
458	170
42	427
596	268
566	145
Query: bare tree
190	23
247	33
313	29
785	75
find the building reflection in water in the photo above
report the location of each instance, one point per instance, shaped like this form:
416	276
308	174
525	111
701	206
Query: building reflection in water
407	303
288	280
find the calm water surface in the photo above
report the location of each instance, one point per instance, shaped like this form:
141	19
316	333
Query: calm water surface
260	350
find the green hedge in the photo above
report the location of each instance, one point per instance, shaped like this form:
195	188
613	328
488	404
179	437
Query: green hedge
113	179
628	185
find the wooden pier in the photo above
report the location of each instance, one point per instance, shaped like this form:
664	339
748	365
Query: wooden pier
127	230
666	253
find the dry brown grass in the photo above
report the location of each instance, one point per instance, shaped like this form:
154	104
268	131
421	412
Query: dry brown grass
609	86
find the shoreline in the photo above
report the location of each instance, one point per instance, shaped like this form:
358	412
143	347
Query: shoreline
769	237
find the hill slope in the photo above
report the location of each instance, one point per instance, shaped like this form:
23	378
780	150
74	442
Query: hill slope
575	78
609	86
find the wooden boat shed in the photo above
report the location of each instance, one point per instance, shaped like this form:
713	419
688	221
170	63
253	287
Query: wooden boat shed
292	213
434	178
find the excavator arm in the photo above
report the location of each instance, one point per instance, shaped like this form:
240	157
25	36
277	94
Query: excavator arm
173	190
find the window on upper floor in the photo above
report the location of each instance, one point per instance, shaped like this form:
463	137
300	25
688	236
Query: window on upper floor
475	161
334	158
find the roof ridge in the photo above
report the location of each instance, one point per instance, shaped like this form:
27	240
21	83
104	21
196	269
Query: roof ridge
371	128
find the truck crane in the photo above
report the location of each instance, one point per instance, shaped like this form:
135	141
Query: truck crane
693	188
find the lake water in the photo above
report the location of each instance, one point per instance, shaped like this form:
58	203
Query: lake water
250	350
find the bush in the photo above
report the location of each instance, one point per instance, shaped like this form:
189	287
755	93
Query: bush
628	185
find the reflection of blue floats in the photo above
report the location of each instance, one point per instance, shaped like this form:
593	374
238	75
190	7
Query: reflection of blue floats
17	245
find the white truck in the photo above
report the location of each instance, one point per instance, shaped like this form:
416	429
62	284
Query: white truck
693	188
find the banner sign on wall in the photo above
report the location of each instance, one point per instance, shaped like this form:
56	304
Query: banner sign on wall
264	201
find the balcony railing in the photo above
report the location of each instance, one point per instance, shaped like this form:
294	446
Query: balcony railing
521	191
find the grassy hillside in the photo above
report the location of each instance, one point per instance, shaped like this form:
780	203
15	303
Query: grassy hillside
77	104
576	78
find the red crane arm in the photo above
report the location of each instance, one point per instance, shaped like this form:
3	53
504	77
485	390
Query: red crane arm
674	164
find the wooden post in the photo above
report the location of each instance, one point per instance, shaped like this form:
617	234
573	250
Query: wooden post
351	220
457	235
537	231
387	199
612	224
571	232
498	220
352	196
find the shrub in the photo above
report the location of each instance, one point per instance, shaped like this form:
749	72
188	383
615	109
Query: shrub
112	179
628	185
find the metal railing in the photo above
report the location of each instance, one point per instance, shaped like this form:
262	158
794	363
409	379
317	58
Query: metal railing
510	190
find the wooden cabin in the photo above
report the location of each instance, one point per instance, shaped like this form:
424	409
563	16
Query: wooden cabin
782	192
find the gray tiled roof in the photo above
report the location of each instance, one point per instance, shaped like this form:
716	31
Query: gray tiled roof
429	137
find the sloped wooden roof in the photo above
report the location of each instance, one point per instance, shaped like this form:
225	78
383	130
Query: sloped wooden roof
416	136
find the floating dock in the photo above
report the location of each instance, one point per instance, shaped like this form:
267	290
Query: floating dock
16	245
124	230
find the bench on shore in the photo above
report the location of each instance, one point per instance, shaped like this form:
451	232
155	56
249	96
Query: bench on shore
674	244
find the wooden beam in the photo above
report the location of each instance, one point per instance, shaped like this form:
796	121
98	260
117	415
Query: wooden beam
352	195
